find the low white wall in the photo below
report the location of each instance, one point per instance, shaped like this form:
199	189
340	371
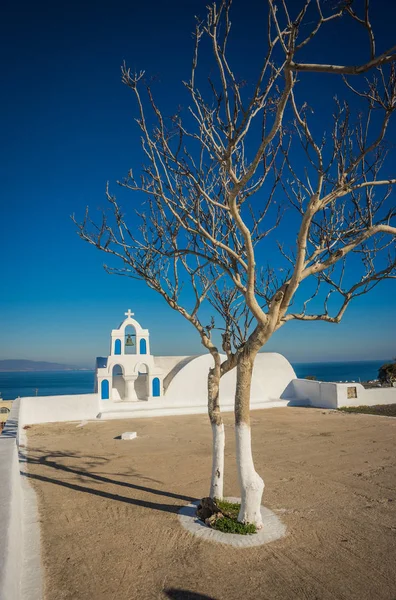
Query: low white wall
323	394
328	395
11	539
368	397
305	392
50	409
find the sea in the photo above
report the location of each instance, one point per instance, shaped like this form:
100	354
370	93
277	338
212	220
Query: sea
55	383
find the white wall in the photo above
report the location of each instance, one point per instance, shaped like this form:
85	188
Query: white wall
323	394
369	397
50	409
304	389
11	540
319	394
271	375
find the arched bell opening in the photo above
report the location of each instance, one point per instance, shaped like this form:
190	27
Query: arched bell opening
118	383
142	381
129	340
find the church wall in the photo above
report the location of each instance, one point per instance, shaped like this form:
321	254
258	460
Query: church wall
271	375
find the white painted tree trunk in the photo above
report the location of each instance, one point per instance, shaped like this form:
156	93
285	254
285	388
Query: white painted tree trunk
252	486
217	480
218	434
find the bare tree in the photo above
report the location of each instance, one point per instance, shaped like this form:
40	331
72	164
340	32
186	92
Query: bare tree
222	171
150	253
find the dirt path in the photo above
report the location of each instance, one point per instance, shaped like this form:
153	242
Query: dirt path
109	509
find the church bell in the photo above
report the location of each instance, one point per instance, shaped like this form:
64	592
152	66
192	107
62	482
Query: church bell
129	340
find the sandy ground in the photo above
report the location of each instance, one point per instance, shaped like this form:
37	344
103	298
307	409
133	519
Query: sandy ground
110	529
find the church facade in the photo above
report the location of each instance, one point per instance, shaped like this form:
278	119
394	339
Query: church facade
129	373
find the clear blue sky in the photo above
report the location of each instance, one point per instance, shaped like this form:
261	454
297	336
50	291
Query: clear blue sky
67	127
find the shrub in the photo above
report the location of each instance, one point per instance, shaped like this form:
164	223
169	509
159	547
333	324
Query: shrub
387	373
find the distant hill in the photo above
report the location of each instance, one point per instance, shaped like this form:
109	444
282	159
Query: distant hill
34	365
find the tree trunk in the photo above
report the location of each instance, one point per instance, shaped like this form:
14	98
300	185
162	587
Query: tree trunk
251	484
217	479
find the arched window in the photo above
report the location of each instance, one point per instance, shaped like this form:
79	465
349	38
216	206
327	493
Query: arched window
117	347
4	409
143	347
156	387
105	389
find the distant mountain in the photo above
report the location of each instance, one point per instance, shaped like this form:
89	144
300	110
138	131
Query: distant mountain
34	365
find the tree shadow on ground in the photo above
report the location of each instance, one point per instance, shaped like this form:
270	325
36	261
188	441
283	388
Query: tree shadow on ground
84	475
10	429
177	594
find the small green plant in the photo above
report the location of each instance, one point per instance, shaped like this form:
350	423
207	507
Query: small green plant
310	377
231	509
229	523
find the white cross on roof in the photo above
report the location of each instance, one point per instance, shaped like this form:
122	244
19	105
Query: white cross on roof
129	314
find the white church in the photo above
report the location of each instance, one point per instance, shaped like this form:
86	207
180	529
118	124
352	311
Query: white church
129	374
131	382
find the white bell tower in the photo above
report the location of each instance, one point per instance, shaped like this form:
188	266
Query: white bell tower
129	373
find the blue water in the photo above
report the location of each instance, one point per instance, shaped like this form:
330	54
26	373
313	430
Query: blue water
56	383
340	371
47	383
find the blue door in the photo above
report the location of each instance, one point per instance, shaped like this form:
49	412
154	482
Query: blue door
117	347
156	387
143	347
105	389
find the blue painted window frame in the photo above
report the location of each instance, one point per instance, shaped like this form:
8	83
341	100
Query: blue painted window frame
104	388
143	346
156	387
117	347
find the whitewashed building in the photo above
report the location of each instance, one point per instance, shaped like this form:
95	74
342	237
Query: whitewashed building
129	373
